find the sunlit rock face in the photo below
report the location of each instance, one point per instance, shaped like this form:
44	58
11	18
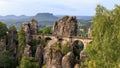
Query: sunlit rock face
30	29
68	60
27	51
67	26
53	57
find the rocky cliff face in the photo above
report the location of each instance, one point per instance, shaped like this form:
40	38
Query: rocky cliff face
67	26
39	54
33	26
68	60
12	44
30	29
27	51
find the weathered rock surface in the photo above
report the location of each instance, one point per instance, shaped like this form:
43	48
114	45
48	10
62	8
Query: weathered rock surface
12	42
26	27
34	26
83	56
67	26
77	66
27	51
53	57
68	60
2	45
30	29
39	54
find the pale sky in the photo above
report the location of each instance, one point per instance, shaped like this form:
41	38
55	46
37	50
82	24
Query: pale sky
57	7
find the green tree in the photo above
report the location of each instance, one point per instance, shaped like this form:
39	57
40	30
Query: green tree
12	28
28	62
3	29
104	51
21	42
7	62
46	30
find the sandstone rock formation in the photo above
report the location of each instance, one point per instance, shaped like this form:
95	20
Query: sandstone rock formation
83	56
12	44
39	54
68	60
2	45
53	57
30	29
67	26
27	51
26	27
33	26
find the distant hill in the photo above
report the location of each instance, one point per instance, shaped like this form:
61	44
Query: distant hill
42	18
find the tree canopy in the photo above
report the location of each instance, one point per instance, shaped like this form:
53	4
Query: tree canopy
3	29
104	51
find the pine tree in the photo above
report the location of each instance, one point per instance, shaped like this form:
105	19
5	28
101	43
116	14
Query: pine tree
21	42
104	51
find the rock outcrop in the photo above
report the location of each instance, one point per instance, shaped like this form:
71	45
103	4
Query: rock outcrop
33	26
53	58
2	45
39	54
27	51
30	29
12	43
68	60
26	27
67	26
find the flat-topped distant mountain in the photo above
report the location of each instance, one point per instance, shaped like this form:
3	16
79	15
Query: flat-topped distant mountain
42	18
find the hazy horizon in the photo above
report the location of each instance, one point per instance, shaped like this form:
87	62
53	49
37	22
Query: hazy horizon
62	7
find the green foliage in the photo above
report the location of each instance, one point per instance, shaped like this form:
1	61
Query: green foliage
33	45
45	30
77	48
3	29
104	51
7	62
28	62
83	28
65	49
21	41
12	28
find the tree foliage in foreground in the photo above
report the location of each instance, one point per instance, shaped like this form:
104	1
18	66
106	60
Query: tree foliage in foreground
29	62
104	51
21	41
3	29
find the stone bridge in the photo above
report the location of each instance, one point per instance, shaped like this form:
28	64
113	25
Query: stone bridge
72	39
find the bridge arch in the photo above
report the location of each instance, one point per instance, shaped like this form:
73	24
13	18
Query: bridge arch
47	39
78	44
77	47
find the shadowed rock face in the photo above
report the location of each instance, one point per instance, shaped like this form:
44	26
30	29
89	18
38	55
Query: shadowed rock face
67	26
39	54
12	44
